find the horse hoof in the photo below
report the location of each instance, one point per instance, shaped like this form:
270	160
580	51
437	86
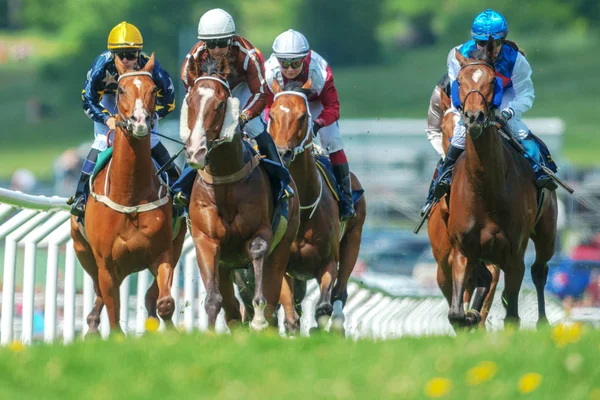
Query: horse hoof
472	317
258	326
322	321
337	324
165	307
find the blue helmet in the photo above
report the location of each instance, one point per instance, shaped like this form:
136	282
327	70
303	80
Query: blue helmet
489	23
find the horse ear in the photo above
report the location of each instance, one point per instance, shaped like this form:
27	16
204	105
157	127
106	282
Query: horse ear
462	61
275	86
490	47
224	69
149	65
308	84
119	65
192	69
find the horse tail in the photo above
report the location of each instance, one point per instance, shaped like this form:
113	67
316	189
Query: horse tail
515	46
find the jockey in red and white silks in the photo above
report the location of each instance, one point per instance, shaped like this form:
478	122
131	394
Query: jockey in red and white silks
293	60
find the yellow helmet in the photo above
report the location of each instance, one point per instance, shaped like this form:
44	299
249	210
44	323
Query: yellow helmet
125	36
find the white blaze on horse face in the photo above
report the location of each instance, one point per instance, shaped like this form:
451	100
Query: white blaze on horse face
197	144
476	75
284	109
138	83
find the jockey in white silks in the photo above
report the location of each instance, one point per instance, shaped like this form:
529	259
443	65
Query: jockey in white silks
517	97
293	61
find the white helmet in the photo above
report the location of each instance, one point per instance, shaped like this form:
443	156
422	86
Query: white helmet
216	24
290	44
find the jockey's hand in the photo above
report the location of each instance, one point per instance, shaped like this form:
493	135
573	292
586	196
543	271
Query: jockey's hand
316	127
508	113
242	120
111	123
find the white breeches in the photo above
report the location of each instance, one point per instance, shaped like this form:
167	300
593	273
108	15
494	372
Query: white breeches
329	136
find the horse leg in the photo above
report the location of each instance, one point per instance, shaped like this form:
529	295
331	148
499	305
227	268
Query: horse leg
93	318
461	270
513	278
151	298
244	279
299	295
287	300
544	240
164	279
109	288
324	308
258	249
482	279
489	298
349	247
208	254
233	317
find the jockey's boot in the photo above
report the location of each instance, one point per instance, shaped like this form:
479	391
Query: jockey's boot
444	178
162	156
542	179
77	202
430	197
342	175
266	147
182	187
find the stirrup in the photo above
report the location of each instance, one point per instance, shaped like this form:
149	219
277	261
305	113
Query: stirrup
288	193
181	200
546	182
71	200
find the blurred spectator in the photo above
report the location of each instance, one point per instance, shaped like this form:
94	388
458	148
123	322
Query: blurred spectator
23	180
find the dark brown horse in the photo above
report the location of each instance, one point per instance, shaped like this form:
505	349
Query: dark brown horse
322	241
482	283
232	203
493	206
129	217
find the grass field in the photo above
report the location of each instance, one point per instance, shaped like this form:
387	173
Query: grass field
507	365
564	73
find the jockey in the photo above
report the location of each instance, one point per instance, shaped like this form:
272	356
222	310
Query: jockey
292	60
99	103
515	72
216	31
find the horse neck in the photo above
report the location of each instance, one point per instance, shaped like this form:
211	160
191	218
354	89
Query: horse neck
227	158
305	174
131	172
486	166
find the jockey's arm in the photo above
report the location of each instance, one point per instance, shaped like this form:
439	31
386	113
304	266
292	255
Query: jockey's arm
330	101
523	86
256	83
165	96
92	90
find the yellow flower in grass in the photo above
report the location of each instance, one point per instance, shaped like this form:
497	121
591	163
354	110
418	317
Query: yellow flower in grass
563	334
438	387
16	346
530	382
484	371
152	325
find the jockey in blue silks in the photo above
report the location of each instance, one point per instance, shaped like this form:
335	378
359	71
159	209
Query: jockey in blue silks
518	94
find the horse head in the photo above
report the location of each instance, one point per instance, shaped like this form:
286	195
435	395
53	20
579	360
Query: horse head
477	88
290	121
136	96
209	115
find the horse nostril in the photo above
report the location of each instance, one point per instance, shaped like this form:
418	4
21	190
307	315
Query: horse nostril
480	117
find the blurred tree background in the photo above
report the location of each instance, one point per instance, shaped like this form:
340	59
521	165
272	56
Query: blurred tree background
386	54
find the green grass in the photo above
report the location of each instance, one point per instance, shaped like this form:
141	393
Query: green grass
565	74
245	366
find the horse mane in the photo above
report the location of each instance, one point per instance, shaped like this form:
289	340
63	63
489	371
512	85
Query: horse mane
219	68
295	86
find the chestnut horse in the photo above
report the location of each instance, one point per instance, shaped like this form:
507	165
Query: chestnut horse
481	282
322	241
232	203
493	204
129	216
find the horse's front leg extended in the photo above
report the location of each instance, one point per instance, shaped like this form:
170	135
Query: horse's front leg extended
208	253
258	249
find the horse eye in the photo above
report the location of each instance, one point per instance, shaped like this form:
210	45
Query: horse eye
155	90
220	106
302	118
120	90
270	115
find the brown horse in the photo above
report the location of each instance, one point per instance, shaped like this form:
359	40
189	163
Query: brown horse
481	283
232	203
129	217
493	205
322	242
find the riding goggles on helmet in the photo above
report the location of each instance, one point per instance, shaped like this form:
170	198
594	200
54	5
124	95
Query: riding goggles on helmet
129	55
483	43
290	62
220	43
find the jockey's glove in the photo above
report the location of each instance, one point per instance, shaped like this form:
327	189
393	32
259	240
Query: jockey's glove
508	113
316	126
242	120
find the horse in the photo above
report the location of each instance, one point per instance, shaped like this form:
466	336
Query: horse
493	203
483	284
232	204
129	216
322	241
